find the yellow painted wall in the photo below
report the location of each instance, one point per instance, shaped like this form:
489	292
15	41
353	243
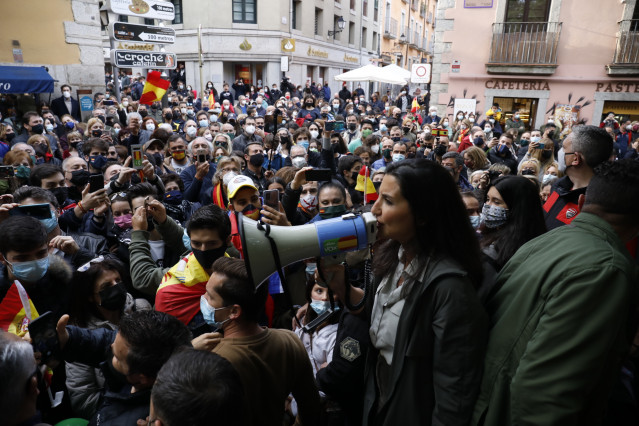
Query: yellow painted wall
38	26
390	45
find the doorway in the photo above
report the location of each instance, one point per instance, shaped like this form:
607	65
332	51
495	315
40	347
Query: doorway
527	106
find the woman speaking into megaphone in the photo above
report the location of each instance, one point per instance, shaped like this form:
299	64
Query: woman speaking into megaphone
428	329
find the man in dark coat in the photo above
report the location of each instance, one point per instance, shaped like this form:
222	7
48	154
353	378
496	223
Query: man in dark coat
66	104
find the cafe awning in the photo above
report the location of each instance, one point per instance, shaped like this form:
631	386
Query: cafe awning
25	80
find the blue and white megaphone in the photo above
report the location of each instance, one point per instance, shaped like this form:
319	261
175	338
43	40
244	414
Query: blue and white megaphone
265	245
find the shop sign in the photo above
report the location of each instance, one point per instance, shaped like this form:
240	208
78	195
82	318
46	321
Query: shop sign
245	45
517	85
123	31
86	103
150	9
317	53
626	87
131	58
127	46
288	45
350	59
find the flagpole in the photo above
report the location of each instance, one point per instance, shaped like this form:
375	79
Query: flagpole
199	49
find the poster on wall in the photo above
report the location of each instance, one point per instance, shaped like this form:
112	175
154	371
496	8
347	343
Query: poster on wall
568	116
466	106
472	4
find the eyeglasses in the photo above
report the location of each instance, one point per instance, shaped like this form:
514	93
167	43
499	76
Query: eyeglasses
87	265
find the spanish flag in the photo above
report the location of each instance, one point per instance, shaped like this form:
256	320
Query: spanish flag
154	88
415	107
13	317
211	99
365	185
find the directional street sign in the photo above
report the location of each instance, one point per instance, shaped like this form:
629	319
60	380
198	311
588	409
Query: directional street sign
123	31
140	58
150	9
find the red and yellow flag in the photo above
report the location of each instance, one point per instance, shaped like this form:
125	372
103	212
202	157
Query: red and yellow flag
365	185
154	88
211	99
13	317
415	107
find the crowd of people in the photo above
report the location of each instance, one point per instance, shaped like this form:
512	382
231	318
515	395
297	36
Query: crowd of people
502	287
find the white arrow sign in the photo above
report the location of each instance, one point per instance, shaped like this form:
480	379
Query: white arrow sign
150	9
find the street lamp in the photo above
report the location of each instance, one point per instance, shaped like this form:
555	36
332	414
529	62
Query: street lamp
341	24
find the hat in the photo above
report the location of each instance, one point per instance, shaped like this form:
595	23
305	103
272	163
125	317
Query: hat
238	182
232	116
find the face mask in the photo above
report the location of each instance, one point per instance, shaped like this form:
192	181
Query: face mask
398	157
203	123
37	129
144	113
96	133
494	216
440	150
524	142
335	107
228	177
249	130
396	138
216	110
319	306
97	161
315	134
173	197
366	133
383	128
471	119
61	193
190	113
492	120
206	258
176	115
309	202
113	298
79	177
191	131
23	172
516	116
535	138
168	116
123	221
433	114
475	221
49	127
116	131
251	212
178	155
460	117
305	144
158	157
213	118
352	127
463	127
30	271
478	141
183	110
487	129
387	153
208	312
561	160
231	135
208	137
375	149
51	223
299	162
256	160
332	211
66	94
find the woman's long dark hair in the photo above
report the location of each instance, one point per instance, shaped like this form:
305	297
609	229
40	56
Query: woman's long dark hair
525	217
441	222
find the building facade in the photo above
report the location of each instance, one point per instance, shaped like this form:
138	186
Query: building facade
408	32
559	59
259	41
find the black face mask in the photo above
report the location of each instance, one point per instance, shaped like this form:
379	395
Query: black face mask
256	159
478	141
354	175
9	136
144	113
206	257
37	129
80	177
96	133
158	158
168	116
176	115
285	140
386	153
113	298
440	150
61	193
396	138
406	129
352	127
309	105
377	185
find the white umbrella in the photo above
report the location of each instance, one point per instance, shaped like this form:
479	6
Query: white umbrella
397	71
370	73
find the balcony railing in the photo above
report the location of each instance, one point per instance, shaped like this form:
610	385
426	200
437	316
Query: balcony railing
525	43
414	39
405	35
627	51
390	27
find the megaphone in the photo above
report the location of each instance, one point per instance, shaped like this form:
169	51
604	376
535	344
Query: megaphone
265	246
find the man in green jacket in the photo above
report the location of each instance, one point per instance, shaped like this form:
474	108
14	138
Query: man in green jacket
561	313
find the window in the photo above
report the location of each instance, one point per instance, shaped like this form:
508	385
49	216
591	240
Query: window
179	17
337	35
364	37
148	21
376	12
351	33
353	4
244	11
318	21
365	7
123	18
375	41
297	8
527	10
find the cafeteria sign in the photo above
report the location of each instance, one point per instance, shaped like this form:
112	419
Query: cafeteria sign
134	58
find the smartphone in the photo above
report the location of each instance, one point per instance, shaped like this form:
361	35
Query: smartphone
541	145
318	175
108	102
201	156
339	126
6	172
329	126
137	157
37	211
272	198
44	336
96	182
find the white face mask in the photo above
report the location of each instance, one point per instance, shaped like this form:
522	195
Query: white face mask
487	129
460	117
471	119
125	104
150	127
228	177
375	149
183	110
66	94
191	131
314	134
208	137
309	201
249	129
299	162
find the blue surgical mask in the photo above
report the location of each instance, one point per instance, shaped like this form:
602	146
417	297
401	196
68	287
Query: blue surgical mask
50	223
304	144
320	306
398	157
535	138
208	312
186	240
475	221
383	128
97	161
30	271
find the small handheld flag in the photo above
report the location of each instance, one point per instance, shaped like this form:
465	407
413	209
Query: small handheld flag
365	185
154	88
